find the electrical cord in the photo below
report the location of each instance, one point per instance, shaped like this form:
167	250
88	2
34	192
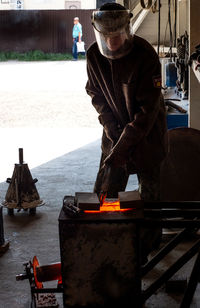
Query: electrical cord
175	21
170	28
159	6
165	34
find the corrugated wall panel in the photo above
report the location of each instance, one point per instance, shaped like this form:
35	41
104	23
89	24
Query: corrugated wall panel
46	30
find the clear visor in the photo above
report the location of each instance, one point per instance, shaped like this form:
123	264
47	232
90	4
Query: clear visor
112	32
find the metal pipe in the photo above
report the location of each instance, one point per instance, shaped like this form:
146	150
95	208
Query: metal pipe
21	159
141	17
47	290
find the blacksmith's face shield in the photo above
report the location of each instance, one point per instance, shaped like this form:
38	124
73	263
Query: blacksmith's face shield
113	32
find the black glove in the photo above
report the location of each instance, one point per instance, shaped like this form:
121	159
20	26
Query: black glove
113	132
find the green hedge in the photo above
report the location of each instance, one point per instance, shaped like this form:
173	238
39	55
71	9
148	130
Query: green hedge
36	55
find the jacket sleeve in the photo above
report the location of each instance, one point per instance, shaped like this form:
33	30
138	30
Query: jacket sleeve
148	97
106	117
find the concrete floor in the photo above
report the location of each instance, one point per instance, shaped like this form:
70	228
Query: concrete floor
48	114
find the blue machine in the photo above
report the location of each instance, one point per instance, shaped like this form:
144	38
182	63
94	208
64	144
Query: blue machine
171	74
177	120
174	119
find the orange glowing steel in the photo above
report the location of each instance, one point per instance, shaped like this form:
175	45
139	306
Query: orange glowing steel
109	206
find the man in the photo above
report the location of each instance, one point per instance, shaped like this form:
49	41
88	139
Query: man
124	82
77	35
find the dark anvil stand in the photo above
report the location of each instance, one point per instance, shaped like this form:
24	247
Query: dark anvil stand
22	193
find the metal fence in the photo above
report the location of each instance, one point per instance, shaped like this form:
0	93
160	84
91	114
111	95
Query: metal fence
45	30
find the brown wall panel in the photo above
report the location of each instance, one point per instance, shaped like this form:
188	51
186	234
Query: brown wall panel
46	30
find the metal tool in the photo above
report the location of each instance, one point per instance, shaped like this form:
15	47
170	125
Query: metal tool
105	186
182	65
169	103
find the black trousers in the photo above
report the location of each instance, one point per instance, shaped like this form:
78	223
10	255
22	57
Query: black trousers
149	188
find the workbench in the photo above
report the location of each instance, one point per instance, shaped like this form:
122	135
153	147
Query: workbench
174	117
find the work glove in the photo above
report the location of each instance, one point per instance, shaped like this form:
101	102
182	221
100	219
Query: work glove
120	152
111	128
112	132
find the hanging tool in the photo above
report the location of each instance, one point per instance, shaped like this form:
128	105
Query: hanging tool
182	64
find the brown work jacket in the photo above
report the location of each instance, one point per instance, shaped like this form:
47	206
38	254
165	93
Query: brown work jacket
126	92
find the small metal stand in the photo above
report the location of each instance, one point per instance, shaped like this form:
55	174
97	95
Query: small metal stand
22	193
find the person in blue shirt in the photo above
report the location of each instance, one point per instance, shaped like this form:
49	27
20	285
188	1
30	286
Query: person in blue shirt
77	35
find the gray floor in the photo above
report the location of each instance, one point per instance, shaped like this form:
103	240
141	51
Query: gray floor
62	147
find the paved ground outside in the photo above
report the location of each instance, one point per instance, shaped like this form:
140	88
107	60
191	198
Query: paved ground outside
45	110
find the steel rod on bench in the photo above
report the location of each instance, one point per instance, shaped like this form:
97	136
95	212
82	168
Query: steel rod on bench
170	213
172	205
46	290
170	271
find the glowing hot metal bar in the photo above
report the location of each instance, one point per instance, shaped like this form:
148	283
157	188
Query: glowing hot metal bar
110	206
